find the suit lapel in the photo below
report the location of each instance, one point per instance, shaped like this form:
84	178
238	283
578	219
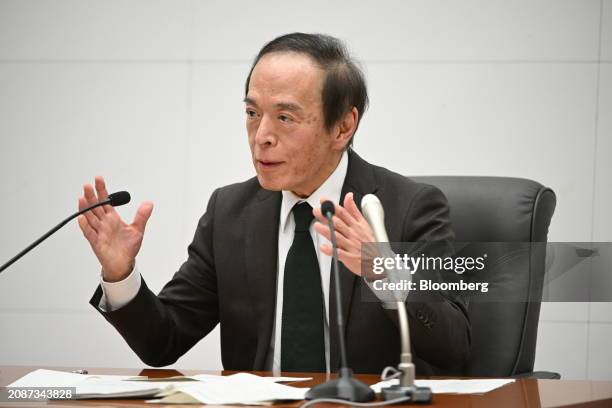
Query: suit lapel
360	181
261	256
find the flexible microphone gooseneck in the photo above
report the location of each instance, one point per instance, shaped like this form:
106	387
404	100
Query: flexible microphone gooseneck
375	215
115	199
345	387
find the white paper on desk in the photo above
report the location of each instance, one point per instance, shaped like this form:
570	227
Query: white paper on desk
208	377
91	386
211	377
241	388
119	389
480	386
52	378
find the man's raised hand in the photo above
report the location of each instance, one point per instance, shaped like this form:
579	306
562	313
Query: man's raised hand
114	242
352	229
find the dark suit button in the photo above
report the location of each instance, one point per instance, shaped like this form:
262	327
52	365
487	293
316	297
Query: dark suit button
420	315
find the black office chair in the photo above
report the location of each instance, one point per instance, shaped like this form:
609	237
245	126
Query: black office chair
501	209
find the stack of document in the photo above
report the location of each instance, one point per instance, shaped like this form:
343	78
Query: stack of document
240	388
89	386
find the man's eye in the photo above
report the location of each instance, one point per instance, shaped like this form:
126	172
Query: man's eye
285	118
251	113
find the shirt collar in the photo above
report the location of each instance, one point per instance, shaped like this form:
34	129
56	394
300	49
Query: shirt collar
331	189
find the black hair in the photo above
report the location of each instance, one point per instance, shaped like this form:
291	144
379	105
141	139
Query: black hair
344	86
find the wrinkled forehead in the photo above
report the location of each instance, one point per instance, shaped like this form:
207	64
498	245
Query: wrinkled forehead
286	76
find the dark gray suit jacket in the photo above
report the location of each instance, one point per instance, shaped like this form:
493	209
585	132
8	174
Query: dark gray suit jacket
230	278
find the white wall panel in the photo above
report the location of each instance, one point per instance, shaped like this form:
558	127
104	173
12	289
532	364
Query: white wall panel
79	339
415	30
606	31
218	151
562	348
89	29
600	312
600	357
564	311
602	226
521	120
62	124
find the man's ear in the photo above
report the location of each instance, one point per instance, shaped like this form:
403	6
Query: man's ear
346	128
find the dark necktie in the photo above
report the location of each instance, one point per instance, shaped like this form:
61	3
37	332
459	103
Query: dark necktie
302	340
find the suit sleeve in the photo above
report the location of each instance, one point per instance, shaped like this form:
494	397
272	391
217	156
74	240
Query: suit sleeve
161	328
439	324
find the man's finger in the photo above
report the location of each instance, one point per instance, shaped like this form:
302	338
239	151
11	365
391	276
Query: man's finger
345	216
318	215
341	240
323	230
351	207
348	258
92	220
102	193
142	216
326	249
90	233
344	229
91	198
82	203
339	225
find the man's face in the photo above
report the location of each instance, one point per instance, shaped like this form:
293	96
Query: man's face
290	147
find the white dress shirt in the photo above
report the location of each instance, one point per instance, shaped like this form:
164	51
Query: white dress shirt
118	294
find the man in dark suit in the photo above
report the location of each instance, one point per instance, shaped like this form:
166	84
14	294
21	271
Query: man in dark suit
258	264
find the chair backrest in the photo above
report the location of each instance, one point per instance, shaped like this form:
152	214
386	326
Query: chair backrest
501	209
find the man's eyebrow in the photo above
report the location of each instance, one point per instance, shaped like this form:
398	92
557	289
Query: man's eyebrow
289	106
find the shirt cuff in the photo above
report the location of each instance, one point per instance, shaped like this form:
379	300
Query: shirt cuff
115	295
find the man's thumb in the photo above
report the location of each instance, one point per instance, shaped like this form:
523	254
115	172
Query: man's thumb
142	216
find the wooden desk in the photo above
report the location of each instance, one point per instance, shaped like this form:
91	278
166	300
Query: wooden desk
522	393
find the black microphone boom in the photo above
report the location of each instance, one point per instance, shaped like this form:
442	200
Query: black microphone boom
344	387
115	199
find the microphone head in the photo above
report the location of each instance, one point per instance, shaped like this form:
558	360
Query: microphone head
119	198
328	209
373	211
371	203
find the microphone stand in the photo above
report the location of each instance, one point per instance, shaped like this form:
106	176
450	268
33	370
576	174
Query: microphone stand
406	387
114	199
345	386
374	214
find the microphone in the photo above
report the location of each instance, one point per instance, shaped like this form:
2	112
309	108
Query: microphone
375	215
114	199
117	199
345	387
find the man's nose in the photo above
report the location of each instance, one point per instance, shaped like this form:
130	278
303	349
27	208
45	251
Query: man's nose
265	132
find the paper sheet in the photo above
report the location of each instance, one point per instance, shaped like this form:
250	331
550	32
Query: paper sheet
52	378
480	386
213	377
241	388
204	377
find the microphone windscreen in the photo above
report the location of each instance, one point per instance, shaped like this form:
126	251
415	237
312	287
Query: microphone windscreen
119	198
328	207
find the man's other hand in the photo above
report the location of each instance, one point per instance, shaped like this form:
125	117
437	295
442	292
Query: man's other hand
352	229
